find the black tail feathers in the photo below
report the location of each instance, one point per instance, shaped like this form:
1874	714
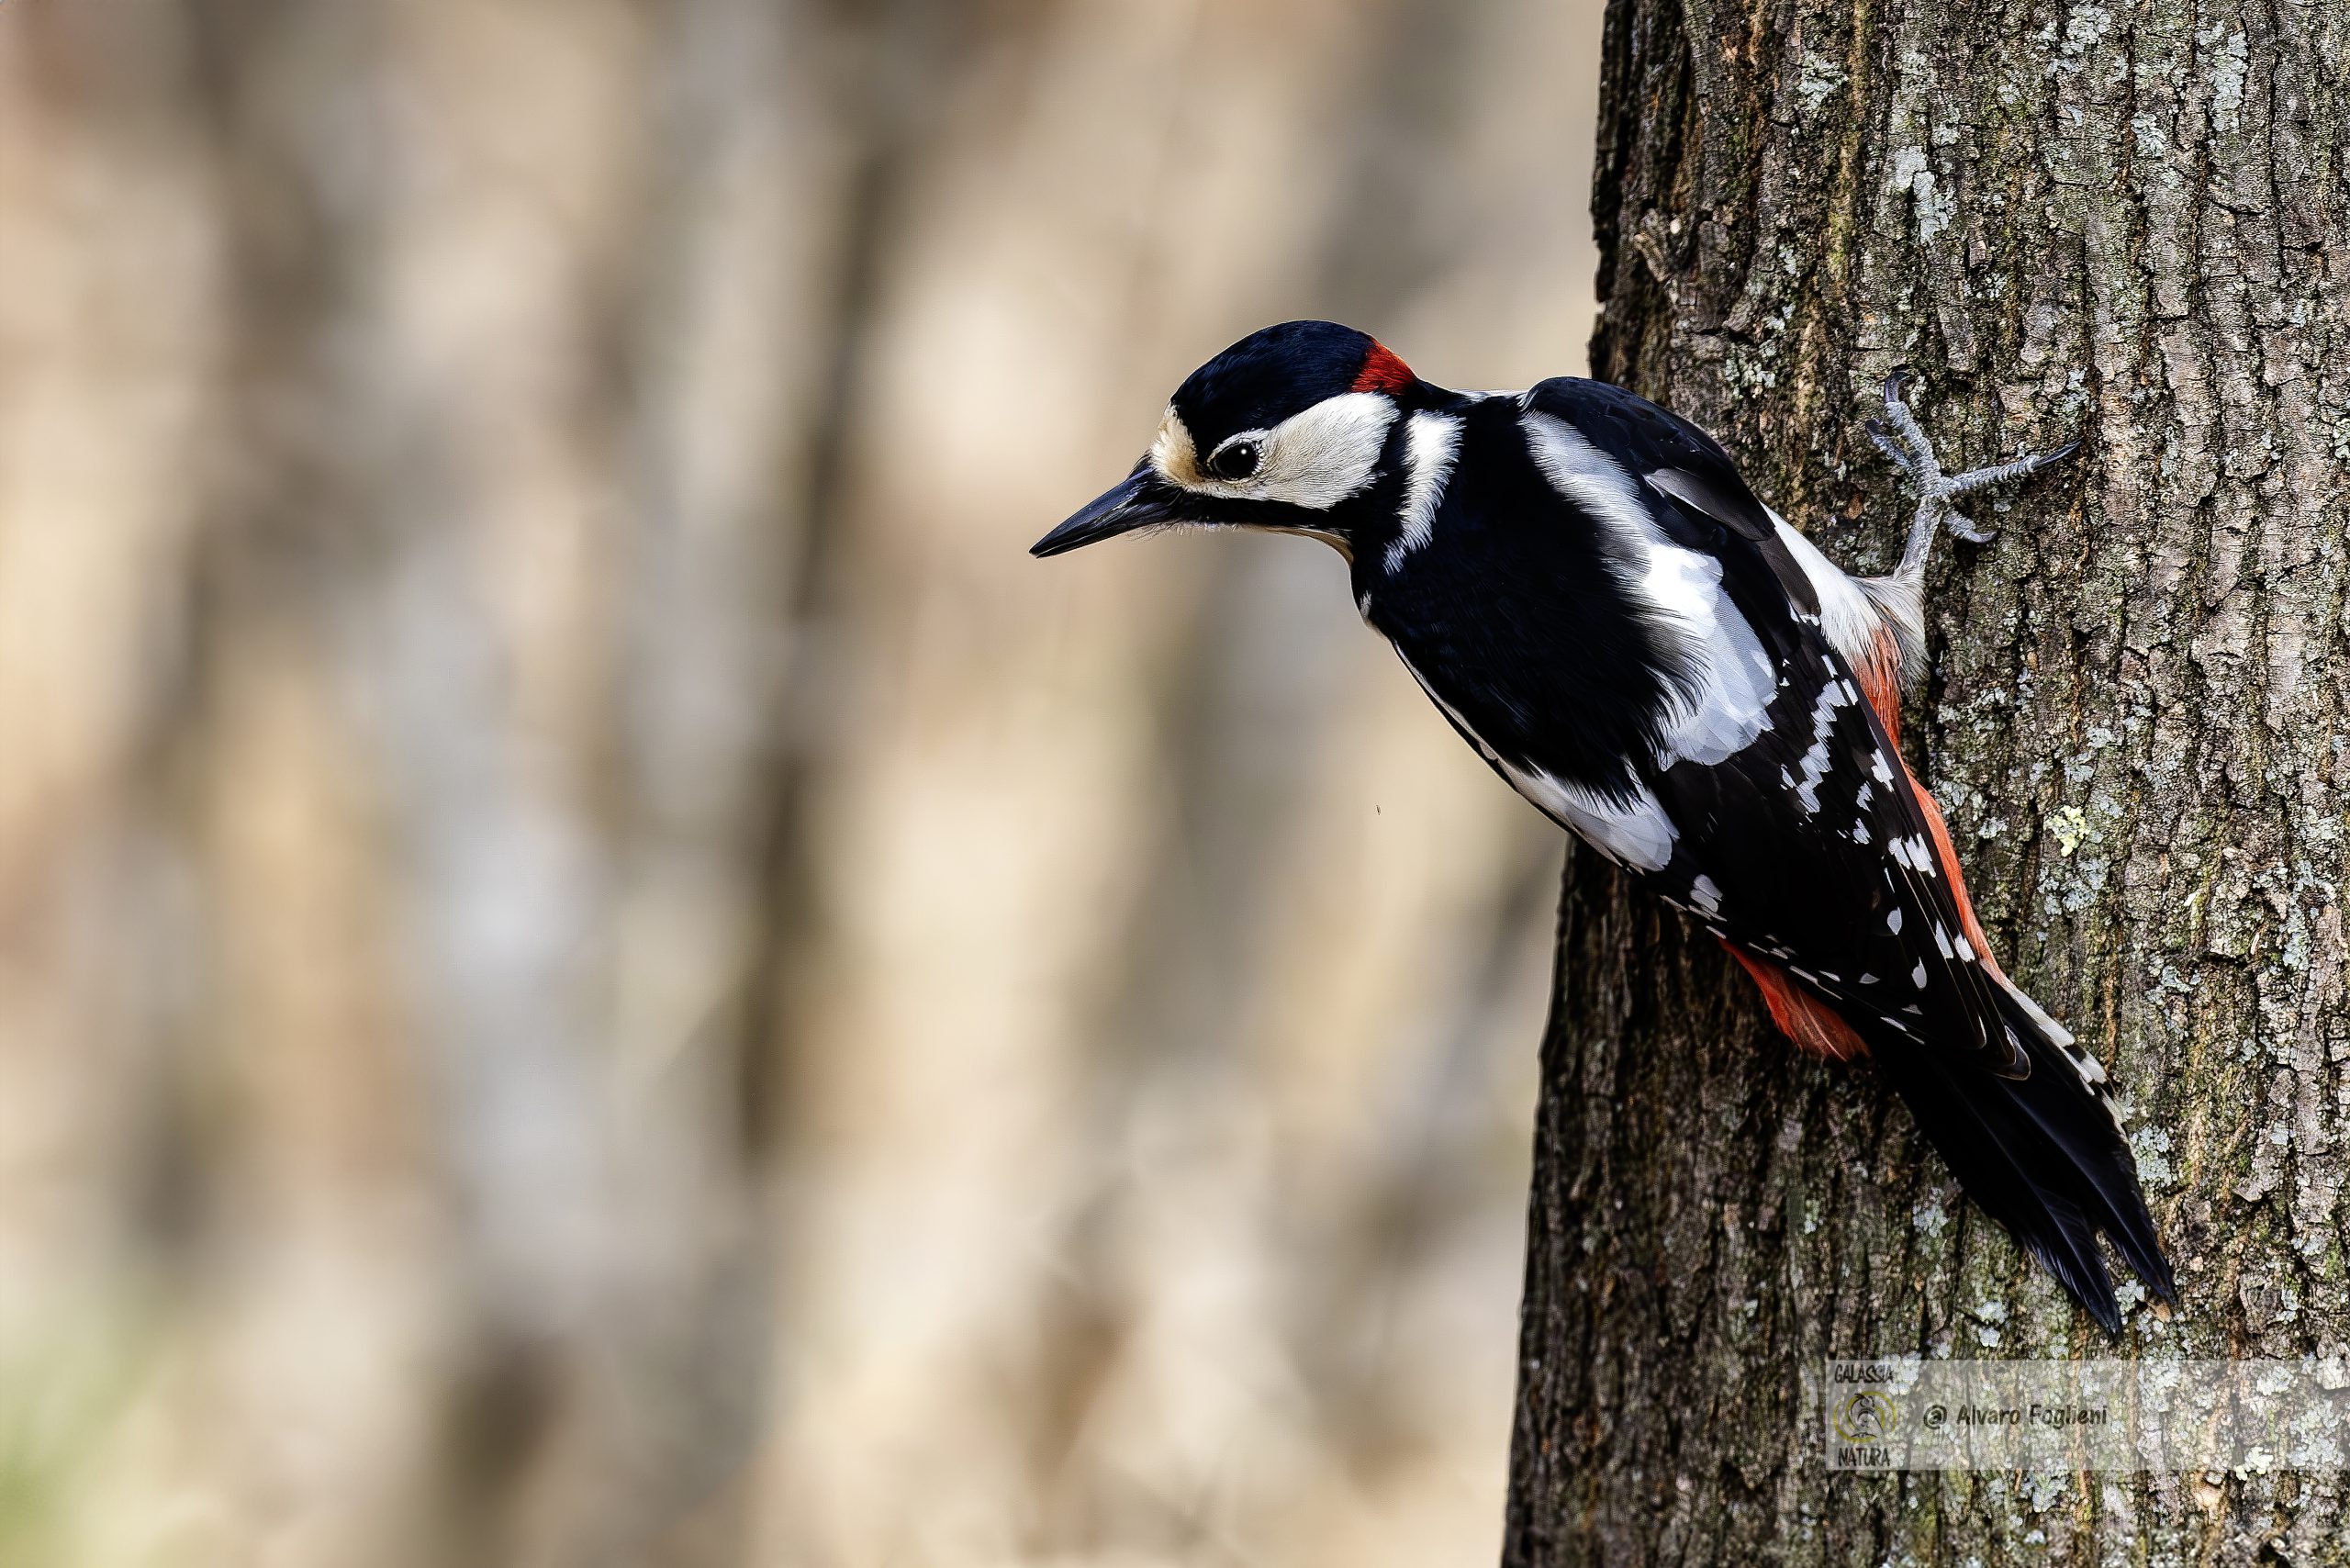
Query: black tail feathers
2041	1154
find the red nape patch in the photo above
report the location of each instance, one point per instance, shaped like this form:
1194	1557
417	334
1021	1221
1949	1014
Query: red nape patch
1802	1017
1382	371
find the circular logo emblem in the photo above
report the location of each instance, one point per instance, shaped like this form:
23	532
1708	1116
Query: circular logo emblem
1866	1417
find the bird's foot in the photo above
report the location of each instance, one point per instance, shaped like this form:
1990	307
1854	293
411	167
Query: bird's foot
1906	445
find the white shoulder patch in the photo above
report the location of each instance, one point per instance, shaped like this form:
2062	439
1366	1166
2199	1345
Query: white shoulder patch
1635	834
1431	443
1729	678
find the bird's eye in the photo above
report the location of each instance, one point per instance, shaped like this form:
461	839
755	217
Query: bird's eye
1238	461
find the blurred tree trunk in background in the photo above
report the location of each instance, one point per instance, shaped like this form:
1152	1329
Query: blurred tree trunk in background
2122	223
595	965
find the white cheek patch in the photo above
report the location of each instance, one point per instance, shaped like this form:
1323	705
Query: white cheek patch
1314	459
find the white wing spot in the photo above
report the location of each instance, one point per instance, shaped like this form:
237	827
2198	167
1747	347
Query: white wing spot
1917	975
1868	979
1814	762
1880	768
1708	896
1965	948
1893	922
1942	940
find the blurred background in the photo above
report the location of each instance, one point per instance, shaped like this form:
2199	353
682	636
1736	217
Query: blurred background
595	965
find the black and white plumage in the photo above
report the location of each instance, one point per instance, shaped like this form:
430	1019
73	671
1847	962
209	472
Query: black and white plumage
1596	601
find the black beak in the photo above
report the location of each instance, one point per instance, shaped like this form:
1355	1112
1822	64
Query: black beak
1137	502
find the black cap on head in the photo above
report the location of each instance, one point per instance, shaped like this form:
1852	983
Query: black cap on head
1279	371
1257	385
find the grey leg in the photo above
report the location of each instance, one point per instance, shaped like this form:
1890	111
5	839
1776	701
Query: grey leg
1904	443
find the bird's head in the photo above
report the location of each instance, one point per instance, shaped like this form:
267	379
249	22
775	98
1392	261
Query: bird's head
1285	431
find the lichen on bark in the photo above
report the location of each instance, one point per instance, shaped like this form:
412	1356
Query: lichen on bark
2120	221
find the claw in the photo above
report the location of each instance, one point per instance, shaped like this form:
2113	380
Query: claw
1901	439
2016	468
1891	448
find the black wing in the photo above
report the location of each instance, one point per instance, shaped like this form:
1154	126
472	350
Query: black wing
1808	846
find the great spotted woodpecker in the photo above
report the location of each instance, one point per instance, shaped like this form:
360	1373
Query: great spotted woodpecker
1599	604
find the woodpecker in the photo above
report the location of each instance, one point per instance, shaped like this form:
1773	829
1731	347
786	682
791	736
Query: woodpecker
1596	601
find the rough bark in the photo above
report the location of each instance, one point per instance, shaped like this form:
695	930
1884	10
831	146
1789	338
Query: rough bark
2118	221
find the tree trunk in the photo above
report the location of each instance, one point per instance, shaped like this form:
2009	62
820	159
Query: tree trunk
2122	224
